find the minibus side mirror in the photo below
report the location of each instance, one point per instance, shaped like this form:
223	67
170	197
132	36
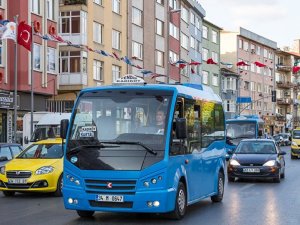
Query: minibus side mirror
64	124
260	133
181	128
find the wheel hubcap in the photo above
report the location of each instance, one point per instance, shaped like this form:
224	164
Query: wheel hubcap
181	200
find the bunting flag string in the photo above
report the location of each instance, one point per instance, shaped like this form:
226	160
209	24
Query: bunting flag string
242	63
210	61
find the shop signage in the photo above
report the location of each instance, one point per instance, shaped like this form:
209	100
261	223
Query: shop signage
6	101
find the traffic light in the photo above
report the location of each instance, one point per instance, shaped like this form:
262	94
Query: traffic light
274	96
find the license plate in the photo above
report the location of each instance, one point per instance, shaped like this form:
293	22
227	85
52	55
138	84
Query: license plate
251	170
17	181
110	198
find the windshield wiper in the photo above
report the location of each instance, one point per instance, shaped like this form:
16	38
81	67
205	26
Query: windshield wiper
100	145
148	149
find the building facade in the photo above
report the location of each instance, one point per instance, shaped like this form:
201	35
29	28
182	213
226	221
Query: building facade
98	33
44	64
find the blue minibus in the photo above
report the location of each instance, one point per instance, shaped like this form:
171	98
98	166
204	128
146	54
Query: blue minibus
119	159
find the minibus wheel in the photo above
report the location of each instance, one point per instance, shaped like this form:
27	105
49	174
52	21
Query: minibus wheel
219	196
180	202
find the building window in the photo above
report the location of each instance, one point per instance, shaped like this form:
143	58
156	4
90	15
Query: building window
116	6
50	9
204	32
193	43
229	106
51	56
184	14
192	18
99	2
246	46
36	57
215	56
214	36
35	6
173	4
70	62
265	53
137	16
70	22
198	22
247	85
174	31
173	57
98	29
116	72
215	80
204	54
159	27
98	70
116	39
184	41
160	2
159	58
137	50
230	84
204	77
258	50
240	43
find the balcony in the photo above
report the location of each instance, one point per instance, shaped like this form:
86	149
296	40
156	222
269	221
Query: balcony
280	118
73	2
284	68
285	85
284	101
73	79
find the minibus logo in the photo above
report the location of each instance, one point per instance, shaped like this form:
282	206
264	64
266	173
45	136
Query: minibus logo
109	185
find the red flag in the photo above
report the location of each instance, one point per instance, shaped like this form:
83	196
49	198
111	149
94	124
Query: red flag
296	69
24	35
116	56
192	71
210	61
242	63
181	65
194	63
259	64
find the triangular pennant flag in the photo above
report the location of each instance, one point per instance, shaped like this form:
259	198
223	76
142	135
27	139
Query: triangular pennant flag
259	64
24	35
127	61
194	63
137	66
181	65
58	38
181	61
4	22
157	75
116	56
146	72
228	65
210	61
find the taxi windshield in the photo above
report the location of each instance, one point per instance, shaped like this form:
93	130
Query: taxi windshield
42	151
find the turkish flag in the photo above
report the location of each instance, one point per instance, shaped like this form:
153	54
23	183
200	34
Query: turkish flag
210	61
24	35
242	63
296	69
259	64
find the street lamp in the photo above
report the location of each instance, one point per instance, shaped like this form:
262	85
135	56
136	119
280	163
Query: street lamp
168	40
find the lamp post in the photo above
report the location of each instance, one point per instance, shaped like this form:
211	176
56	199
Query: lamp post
16	82
168	40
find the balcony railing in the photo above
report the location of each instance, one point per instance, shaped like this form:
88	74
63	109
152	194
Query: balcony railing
73	2
284	68
284	101
286	85
280	118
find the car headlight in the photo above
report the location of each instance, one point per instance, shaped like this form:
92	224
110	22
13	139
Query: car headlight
294	143
234	162
2	170
44	170
270	163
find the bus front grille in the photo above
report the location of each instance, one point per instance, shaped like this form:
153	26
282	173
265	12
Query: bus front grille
107	186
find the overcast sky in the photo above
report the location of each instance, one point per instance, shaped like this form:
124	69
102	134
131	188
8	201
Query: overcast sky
277	20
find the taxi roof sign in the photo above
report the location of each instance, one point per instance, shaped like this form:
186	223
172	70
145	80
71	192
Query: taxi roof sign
129	79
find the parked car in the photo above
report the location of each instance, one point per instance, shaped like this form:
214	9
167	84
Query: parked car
8	151
257	159
286	138
36	169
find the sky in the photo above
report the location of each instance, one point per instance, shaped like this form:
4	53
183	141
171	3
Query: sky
277	20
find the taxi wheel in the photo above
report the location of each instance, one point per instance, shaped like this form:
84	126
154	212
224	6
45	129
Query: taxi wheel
85	214
58	192
9	193
180	203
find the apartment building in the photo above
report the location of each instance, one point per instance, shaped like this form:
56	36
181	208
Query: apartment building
211	50
45	65
97	31
253	59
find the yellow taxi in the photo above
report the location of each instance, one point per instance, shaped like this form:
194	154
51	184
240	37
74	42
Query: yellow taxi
295	145
38	168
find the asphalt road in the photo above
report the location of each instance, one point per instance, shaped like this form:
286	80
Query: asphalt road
244	203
